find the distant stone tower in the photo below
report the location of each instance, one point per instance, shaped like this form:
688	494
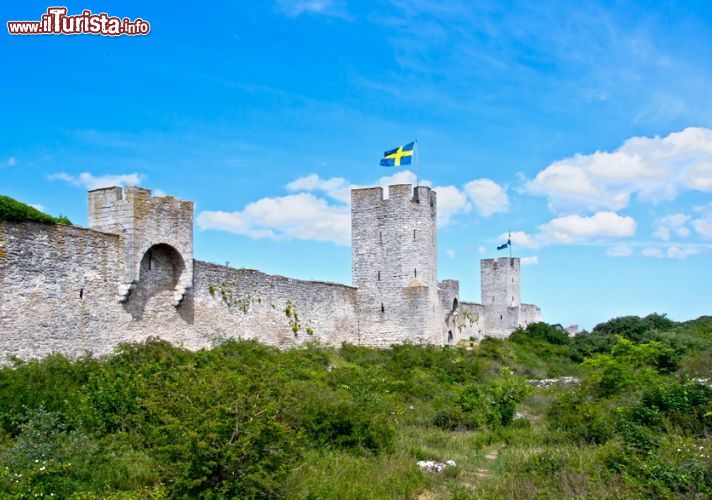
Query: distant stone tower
156	240
500	294
394	253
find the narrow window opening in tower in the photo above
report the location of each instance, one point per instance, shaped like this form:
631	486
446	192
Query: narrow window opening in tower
379	275
81	293
383	309
380	237
454	303
512	280
449	336
500	316
413	234
415	273
493	299
512	298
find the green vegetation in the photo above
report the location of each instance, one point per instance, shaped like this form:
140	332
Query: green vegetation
246	420
12	210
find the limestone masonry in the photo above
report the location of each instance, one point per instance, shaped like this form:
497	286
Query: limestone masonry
131	275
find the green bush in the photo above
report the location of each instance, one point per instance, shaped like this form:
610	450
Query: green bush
541	331
12	210
633	327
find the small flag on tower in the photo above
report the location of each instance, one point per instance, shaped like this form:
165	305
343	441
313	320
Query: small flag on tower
505	245
402	155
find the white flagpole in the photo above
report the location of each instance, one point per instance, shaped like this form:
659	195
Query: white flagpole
417	163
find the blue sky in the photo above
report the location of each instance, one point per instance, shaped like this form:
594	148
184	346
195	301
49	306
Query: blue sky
585	128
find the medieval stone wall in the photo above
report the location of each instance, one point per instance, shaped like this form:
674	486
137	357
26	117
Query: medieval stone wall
248	304
467	322
132	276
58	294
529	314
57	290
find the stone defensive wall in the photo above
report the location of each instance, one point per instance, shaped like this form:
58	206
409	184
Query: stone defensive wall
61	290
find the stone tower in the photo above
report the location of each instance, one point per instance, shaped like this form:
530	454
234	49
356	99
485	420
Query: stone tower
394	265
156	241
500	294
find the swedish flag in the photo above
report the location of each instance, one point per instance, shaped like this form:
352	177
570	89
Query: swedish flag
505	245
402	155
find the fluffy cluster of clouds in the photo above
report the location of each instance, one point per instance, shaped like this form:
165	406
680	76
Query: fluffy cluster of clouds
682	225
318	208
572	229
302	216
674	226
653	169
586	192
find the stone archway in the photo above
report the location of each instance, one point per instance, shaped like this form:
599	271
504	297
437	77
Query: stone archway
160	272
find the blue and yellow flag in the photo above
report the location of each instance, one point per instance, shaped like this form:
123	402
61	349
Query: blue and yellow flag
402	155
505	245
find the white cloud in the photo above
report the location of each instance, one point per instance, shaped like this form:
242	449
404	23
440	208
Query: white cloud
37	206
11	162
295	8
671	224
451	202
302	216
336	187
401	177
652	252
672	252
654	169
488	196
530	261
520	238
576	229
703	224
619	251
573	228
450	253
87	180
482	250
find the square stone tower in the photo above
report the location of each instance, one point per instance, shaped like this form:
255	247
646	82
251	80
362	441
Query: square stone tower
500	294
151	230
394	248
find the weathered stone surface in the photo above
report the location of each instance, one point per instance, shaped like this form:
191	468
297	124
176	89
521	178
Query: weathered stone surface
132	276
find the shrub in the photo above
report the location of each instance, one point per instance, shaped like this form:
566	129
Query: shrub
12	210
633	327
542	331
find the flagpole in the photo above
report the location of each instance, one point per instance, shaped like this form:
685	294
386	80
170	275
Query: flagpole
417	164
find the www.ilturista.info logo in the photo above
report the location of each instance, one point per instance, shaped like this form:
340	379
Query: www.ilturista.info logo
57	22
